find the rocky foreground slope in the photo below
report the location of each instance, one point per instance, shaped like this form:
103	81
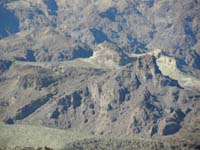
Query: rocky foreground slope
133	98
25	137
118	68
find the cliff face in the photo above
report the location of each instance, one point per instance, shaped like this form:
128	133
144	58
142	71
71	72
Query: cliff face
106	67
168	67
90	95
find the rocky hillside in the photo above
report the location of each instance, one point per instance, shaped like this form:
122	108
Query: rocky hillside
134	26
106	67
87	94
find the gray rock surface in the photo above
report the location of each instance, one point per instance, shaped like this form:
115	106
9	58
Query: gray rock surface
70	64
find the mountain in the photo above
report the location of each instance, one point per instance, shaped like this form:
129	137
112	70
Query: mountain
117	68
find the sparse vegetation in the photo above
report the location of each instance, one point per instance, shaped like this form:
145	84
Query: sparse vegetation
24	137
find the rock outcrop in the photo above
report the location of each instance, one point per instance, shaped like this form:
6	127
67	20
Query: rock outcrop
106	67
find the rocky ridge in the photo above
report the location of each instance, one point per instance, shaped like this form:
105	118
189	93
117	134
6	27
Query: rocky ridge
109	67
99	97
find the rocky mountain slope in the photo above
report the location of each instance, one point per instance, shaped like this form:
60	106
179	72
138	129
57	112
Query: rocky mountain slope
106	67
